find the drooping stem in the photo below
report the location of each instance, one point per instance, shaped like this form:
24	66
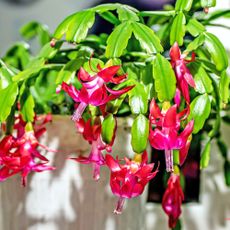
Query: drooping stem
79	111
120	205
169	160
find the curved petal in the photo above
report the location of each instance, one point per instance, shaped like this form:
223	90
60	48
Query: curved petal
185	90
144	158
6	144
83	75
83	95
189	78
155	111
119	92
82	160
184	152
175	52
98	97
42	167
118	79
72	91
137	190
108	73
187	130
170	117
177	98
157	139
144	171
111	163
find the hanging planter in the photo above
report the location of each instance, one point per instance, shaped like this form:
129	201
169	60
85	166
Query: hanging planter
172	82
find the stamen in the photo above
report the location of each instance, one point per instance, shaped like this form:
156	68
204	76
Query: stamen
96	171
120	205
169	160
79	111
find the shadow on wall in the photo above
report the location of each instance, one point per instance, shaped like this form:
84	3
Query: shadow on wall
67	198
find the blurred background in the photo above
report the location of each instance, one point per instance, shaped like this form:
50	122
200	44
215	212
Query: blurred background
214	208
15	13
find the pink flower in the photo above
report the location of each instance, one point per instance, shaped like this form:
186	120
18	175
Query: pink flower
94	90
92	133
184	77
172	200
129	180
165	135
19	154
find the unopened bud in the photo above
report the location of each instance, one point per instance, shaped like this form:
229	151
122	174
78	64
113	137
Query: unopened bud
53	42
206	10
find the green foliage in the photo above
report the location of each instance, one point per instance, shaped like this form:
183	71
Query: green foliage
108	128
196	43
227	172
33	29
126	13
224	87
118	40
165	80
202	80
18	55
7	100
138	98
6	75
205	155
76	26
200	110
194	27
208	3
183	5
178	29
27	107
142	53
217	51
139	133
148	40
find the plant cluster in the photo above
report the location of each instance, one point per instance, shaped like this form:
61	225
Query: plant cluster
162	68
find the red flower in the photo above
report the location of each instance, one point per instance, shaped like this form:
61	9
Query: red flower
172	200
19	154
184	77
129	180
165	135
94	90
92	133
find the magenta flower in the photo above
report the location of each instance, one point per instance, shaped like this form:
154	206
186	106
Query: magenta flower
94	90
129	180
184	77
165	135
92	133
20	156
172	200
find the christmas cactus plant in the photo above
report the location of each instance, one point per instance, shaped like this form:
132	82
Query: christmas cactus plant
162	68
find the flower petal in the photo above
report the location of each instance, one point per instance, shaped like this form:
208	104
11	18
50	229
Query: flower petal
71	91
175	53
83	75
108	73
119	92
111	163
170	117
